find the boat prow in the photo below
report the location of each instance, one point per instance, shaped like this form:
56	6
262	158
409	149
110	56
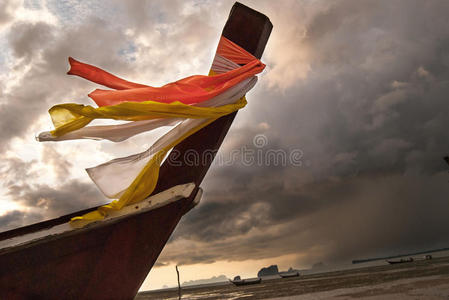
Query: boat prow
151	203
111	258
76	263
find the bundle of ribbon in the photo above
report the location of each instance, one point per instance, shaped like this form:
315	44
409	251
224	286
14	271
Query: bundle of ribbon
192	103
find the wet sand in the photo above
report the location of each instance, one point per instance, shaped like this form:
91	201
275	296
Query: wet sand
423	279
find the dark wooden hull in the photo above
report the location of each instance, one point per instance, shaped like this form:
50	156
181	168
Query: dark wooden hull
246	281
111	260
289	275
402	261
105	262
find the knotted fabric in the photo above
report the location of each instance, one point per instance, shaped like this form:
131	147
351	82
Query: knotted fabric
190	103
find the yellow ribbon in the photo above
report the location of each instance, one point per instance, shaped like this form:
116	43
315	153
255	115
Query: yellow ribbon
70	116
144	184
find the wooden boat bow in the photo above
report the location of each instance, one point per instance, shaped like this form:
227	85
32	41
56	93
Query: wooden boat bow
110	260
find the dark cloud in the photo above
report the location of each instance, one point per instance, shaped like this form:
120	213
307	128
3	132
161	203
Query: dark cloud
60	165
16	218
371	120
16	170
4	17
333	221
52	202
6	12
26	39
43	201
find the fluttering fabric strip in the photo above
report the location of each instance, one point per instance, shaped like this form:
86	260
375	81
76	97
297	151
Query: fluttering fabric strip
100	76
190	90
69	117
118	133
196	100
234	52
113	177
143	184
113	133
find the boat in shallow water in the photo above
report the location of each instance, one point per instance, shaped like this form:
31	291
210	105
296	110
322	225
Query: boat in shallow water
289	274
400	261
240	282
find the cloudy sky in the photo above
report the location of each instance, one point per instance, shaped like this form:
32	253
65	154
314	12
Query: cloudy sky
354	95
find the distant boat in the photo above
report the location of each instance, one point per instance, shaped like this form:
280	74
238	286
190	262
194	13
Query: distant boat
289	274
239	282
400	261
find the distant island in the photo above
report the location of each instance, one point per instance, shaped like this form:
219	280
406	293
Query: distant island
273	270
265	271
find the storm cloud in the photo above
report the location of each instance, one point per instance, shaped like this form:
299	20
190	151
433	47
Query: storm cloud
357	88
369	111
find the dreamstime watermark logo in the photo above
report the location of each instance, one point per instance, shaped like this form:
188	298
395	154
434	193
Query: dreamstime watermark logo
257	154
260	140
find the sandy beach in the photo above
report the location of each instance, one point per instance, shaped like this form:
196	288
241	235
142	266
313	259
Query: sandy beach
421	279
